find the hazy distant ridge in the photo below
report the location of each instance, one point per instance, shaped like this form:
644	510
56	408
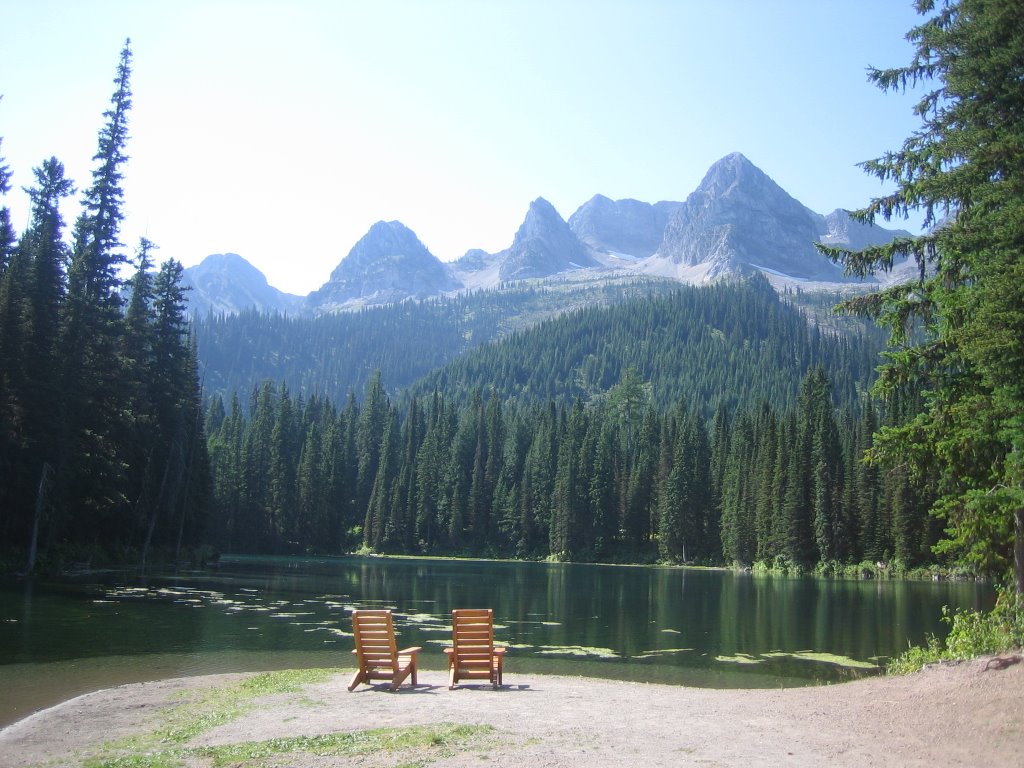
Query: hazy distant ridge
738	221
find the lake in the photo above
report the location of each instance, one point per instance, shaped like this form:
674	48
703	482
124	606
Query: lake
712	628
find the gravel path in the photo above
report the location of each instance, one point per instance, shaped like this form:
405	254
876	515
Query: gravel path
968	714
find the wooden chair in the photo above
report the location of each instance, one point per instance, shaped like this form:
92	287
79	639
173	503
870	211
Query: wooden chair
375	650
473	655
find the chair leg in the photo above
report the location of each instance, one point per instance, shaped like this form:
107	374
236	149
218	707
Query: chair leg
356	680
451	678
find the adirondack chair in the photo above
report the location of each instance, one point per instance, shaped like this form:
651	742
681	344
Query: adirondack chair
473	655
376	653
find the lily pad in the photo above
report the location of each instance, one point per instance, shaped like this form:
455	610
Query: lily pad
826	658
577	650
739	658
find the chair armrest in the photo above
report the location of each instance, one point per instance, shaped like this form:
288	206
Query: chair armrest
500	651
449	651
410	651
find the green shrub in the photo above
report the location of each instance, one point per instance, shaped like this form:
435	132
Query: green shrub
972	633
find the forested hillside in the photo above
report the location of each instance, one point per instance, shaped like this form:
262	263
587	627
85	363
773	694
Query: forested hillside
729	343
721	438
334	354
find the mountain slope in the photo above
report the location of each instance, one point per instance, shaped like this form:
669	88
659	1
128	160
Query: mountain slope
732	343
543	246
227	283
335	353
622	227
737	221
389	264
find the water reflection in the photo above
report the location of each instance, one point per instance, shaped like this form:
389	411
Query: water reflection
694	627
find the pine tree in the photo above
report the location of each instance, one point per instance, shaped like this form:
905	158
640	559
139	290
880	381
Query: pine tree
567	509
962	166
89	476
604	484
369	437
8	237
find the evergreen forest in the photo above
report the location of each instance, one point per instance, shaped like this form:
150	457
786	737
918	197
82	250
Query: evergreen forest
615	478
102	446
639	422
333	354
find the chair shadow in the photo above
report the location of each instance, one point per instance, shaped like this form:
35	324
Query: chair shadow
405	688
507	688
434	689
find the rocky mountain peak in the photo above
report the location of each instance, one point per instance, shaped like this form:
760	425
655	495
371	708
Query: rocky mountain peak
541	217
544	245
389	264
385	239
739	220
227	283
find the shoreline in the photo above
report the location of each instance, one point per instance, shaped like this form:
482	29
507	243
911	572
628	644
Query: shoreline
948	714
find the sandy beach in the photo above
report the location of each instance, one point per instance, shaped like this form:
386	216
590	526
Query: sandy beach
966	714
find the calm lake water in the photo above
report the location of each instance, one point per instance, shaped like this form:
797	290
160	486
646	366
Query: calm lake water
671	625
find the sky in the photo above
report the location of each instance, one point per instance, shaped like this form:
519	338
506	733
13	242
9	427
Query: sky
282	131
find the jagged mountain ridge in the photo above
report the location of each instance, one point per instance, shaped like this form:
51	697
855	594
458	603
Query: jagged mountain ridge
738	221
627	227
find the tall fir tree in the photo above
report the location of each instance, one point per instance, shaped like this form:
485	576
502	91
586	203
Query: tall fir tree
90	478
962	169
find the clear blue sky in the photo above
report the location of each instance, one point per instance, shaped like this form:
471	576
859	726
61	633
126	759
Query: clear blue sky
283	130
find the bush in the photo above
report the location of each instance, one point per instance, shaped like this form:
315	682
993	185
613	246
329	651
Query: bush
972	633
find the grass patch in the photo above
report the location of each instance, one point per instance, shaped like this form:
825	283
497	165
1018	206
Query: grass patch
437	741
201	711
424	743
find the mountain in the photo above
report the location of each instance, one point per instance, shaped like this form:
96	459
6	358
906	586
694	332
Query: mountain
388	265
225	283
622	227
543	246
841	230
739	221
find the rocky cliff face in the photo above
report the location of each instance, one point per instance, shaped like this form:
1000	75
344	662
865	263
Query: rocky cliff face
739	220
389	264
543	246
838	229
225	283
622	227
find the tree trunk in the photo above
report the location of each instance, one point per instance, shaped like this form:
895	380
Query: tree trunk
42	494
1018	549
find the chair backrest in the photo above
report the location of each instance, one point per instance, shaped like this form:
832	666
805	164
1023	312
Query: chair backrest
375	638
473	634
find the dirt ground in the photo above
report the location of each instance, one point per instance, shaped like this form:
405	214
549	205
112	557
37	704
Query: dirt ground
967	714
